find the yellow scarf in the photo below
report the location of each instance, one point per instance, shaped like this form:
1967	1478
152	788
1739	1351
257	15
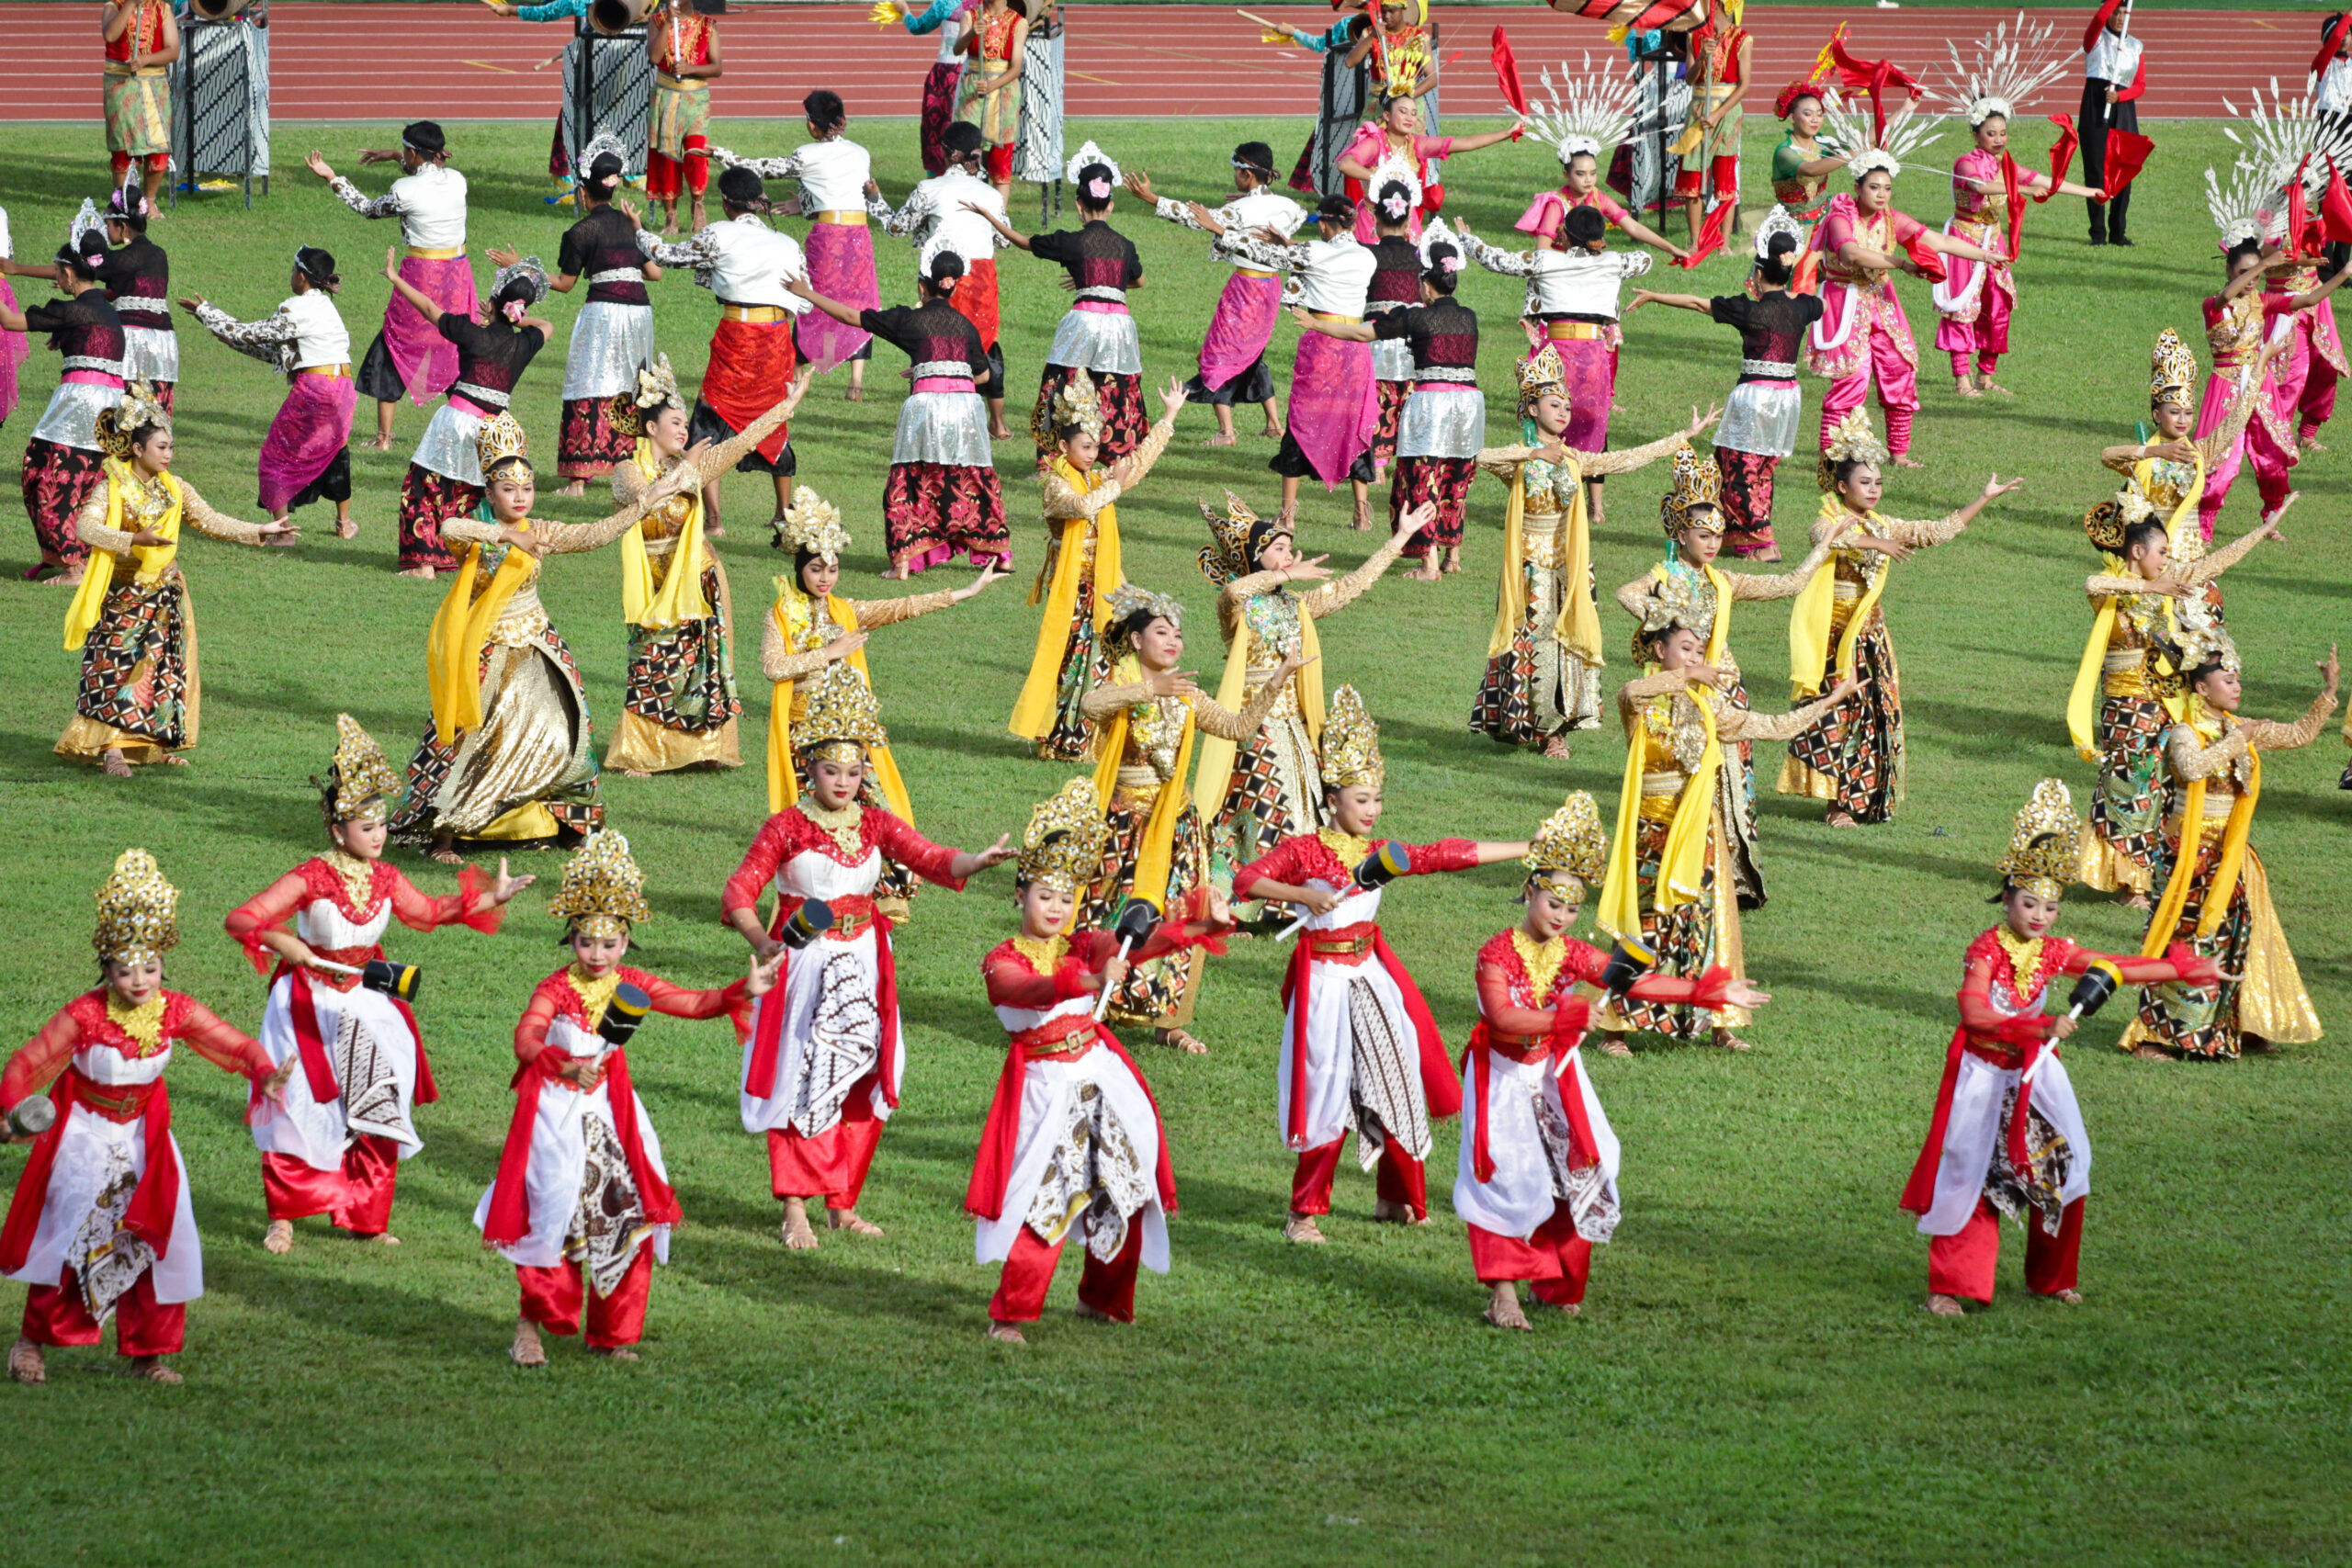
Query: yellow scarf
97	577
680	597
2240	822
1682	861
783	789
1215	775
1809	623
1578	626
2083	701
1155	851
1033	713
460	629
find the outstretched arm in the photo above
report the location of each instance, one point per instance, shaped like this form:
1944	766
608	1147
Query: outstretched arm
1626	459
1341	592
1786	584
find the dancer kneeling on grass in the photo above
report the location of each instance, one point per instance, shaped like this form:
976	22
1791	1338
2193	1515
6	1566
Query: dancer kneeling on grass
101	1225
1073	1141
581	1205
140	698
821	1072
335	1146
1537	1185
1359	1052
2006	1137
306	456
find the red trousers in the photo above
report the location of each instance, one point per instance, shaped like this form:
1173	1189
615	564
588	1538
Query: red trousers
1000	162
1401	1178
552	1299
1555	1258
358	1197
1108	1287
662	172
122	161
1962	1264
143	1326
832	1166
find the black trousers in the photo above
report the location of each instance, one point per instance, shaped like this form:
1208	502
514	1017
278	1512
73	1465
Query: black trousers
2098	117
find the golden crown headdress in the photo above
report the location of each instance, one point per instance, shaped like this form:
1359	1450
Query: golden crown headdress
812	524
1062	846
2043	843
1130	601
657	387
1228	557
2172	370
501	443
138	410
2204	642
1542	375
1076	402
138	912
1670	606
1696	500
603	892
1851	439
2105	524
360	783
1570	852
842	718
1351	744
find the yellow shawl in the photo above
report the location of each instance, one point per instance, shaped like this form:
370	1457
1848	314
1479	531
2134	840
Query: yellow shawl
1578	626
2083	701
680	597
460	629
1215	775
1809	621
1156	851
97	577
783	789
1682	861
1033	713
2240	822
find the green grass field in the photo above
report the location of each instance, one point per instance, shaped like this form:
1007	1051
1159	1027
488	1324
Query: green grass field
1753	1381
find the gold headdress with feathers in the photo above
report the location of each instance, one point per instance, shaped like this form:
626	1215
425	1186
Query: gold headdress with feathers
842	718
603	892
813	524
1696	500
1062	846
1130	600
657	387
138	912
501	443
360	783
138	410
1351	744
2043	843
1570	852
1228	556
1850	439
1076	403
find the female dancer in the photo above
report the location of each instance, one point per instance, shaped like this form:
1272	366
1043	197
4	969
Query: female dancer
1080	570
2006	1137
13	350
2137	619
823	1068
2215	894
137	276
1544	660
1395	286
1537	1183
1862	339
1359	1052
1853	759
939	83
101	1224
946	212
2238	327
1761	416
334	1145
612	337
582	1205
2168	475
445	479
1801	167
1096	339
508	752
139	700
1259	792
1597	112
988	95
833	173
1668	888
683	46
1397	139
1718	71
142	37
812	627
678	707
1233	352
942	495
1073	1140
306	456
62	459
1149	714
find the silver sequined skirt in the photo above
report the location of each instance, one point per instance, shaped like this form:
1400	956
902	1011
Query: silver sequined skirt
1762	417
1097	340
71	417
947	428
1392	360
448	445
609	342
150	353
1448	424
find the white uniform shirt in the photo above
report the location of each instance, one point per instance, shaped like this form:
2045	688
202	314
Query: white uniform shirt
743	261
2113	59
305	330
832	174
320	336
429	204
934	210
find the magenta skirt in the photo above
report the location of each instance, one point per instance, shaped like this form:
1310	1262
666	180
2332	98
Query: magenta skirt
13	350
840	266
1334	403
1243	325
312	425
1592	366
426	361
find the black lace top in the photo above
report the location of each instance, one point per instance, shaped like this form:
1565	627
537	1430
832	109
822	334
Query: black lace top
490	359
85	327
1099	259
138	278
605	241
1771	330
1443	336
933	333
1397	273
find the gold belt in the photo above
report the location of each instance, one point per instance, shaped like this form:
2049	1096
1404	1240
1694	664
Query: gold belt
121	69
681	84
1570	331
1346	947
751	312
331	372
436	252
846	220
1252	272
1327	316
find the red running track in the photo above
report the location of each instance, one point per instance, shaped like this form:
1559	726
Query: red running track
399	61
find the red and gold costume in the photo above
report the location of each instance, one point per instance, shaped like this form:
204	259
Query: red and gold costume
679	133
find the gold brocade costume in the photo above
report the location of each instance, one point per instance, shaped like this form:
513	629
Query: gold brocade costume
678	705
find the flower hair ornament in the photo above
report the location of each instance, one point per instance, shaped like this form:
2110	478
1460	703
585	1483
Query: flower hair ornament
1907	130
1671	606
1851	439
1393	205
2010	70
812	524
1777	221
129	201
657	389
1438	238
2105	524
603	144
534	276
1077	405
1098	189
138	411
1588	112
2040	859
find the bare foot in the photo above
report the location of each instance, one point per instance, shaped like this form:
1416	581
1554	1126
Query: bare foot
25	1362
111	763
577	487
1557	747
1904	460
2256	1045
1503	1310
615	1352
1385	1213
850	1220
1454	560
633	773
1272	432
2152	1053
1092	1314
526	1350
1612	1045
1837	817
279	1237
1426	572
174	760
798	1235
2312	444
1221	440
854	395
346	528
2069	1297
1571	1309
1000	432
898	573
65	580
382	1238
421	573
1987	384
1727	1041
1303	1228
152	1369
1005	1333
1362	522
1945	1306
714	532
376	444
2138	901
1182	1040
1966	389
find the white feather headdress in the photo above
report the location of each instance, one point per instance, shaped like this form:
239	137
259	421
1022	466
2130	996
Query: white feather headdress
1588	111
2251	206
2287	135
2012	67
1850	127
1397	170
1439	233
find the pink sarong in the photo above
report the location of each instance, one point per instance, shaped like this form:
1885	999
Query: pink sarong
312	425
840	266
1591	367
1242	326
1334	404
13	349
426	361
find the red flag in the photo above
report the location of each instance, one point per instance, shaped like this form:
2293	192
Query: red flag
2015	195
1710	236
1507	74
2331	45
1872	76
2061	156
2335	207
2127	152
1929	260
2298	212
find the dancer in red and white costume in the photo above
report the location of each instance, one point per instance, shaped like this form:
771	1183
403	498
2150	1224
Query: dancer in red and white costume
2007	1137
582	1205
101	1225
822	1067
1360	1051
334	1145
1537	1185
1073	1143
